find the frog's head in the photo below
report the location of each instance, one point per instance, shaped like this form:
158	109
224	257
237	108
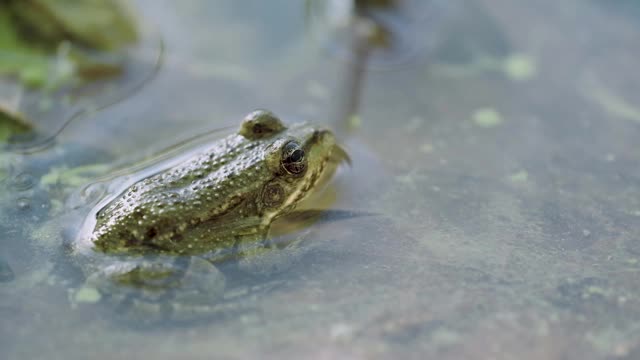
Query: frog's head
300	159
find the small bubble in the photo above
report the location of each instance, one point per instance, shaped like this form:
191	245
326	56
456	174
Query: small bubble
23	204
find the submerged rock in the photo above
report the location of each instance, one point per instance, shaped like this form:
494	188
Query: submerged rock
6	274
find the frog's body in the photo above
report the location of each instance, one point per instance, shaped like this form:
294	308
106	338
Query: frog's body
218	205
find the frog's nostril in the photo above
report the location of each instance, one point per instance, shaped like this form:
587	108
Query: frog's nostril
319	135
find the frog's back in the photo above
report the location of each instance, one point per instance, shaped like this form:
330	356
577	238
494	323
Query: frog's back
159	208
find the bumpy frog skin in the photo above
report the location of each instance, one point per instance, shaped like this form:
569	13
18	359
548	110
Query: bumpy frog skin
218	205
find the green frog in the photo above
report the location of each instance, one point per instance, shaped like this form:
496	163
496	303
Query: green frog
166	233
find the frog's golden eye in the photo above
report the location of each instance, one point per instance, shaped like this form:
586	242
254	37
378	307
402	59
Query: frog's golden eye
293	158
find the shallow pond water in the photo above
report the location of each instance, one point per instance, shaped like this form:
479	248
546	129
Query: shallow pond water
497	162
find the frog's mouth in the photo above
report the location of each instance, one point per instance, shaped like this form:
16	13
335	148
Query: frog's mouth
337	156
313	203
325	156
314	191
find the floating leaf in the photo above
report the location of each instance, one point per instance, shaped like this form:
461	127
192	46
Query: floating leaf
97	24
12	123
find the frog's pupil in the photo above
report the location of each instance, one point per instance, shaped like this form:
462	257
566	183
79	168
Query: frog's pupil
293	153
297	155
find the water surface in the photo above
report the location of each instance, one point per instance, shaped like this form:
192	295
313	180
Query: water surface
501	164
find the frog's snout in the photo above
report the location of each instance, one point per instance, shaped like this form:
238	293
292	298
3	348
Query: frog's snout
322	135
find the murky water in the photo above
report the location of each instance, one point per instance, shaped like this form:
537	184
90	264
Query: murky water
499	165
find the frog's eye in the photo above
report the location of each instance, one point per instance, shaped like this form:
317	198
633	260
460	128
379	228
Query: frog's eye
293	158
260	124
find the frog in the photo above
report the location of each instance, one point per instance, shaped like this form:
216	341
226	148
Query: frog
167	233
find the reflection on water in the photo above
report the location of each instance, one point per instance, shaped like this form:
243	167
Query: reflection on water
500	171
406	30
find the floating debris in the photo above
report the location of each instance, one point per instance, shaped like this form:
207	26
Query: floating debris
519	177
87	295
487	117
519	67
